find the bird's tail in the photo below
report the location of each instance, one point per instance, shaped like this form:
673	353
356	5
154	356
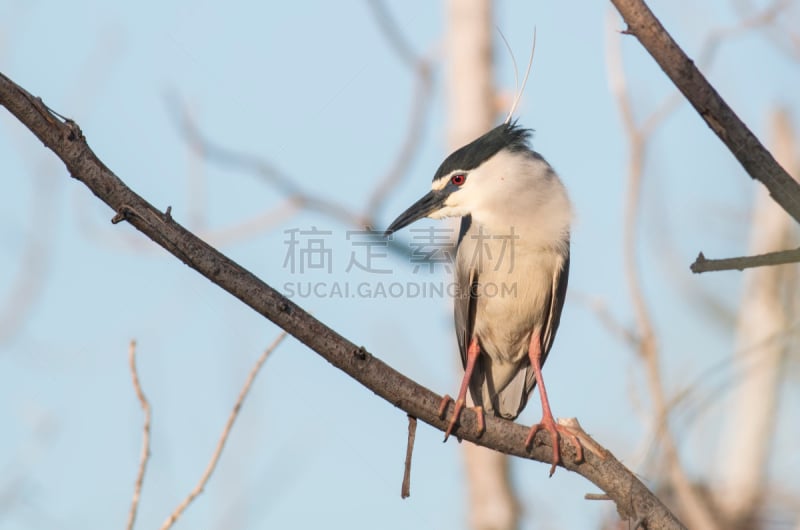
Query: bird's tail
506	402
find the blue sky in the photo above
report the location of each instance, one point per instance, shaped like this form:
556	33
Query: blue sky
314	89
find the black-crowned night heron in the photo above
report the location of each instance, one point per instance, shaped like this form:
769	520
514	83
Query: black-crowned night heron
512	264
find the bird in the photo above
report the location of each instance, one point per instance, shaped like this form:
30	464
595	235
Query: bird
511	271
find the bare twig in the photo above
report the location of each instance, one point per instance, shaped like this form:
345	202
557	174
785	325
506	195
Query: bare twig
596	497
28	283
753	156
715	382
761	18
419	111
301	198
423	93
781	257
616	328
784	34
392	33
632	498
273	176
286	185
145	455
223	438
258	224
297	198
405	490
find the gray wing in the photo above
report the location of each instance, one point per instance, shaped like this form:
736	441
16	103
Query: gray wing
464	307
558	294
465	303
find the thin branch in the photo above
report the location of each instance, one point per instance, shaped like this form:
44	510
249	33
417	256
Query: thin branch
596	497
754	157
633	500
759	19
223	438
392	33
273	176
423	94
614	327
29	282
721	377
421	67
297	197
784	35
258	224
145	455
405	490
781	257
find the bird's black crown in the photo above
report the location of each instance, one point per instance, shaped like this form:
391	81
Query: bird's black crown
507	135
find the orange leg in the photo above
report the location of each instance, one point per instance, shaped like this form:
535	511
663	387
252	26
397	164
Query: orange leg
547	422
473	351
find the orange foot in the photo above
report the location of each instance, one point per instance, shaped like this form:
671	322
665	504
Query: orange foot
446	400
547	423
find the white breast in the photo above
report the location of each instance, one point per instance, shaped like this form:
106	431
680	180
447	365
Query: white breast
515	281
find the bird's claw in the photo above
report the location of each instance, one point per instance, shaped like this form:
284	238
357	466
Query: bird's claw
555	429
459	406
443	405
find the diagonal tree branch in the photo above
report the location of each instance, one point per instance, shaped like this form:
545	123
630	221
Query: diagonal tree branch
633	500
754	157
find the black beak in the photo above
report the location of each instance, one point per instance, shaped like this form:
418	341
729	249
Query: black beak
422	208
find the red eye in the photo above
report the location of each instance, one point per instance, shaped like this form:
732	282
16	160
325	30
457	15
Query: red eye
458	179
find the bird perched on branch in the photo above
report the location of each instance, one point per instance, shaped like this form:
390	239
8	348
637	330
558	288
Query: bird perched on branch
511	269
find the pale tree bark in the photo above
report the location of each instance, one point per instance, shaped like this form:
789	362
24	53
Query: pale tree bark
761	347
491	504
